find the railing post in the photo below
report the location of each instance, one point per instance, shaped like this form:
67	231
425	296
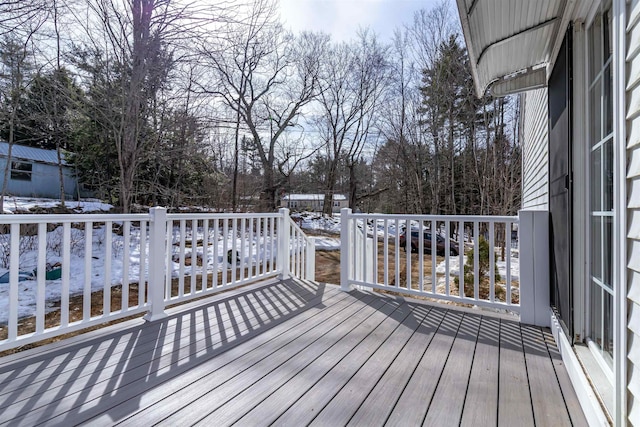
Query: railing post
533	239
157	247
310	267
284	237
345	245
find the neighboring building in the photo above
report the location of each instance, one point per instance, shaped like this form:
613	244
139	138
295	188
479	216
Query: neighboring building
312	202
578	65
34	172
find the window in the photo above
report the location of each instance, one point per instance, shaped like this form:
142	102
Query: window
601	165
21	171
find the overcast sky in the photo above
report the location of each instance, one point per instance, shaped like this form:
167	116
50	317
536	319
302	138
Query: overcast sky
342	18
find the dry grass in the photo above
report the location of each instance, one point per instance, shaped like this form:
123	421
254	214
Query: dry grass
328	266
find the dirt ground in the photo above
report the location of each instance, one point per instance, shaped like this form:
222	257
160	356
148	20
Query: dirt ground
328	266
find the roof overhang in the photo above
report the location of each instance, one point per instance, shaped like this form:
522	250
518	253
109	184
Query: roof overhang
512	44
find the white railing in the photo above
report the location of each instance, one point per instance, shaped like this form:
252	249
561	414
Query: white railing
69	272
302	252
437	261
58	273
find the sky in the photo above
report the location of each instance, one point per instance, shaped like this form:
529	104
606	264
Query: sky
342	18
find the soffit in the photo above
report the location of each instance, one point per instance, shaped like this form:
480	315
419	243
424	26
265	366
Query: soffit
509	39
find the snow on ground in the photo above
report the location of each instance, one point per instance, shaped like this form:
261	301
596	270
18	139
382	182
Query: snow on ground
454	266
24	204
255	252
327	243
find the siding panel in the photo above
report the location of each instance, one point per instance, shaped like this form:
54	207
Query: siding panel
633	212
535	154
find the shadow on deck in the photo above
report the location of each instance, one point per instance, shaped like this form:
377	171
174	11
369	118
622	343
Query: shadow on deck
296	353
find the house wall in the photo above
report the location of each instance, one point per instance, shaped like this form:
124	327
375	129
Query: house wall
44	181
535	151
633	211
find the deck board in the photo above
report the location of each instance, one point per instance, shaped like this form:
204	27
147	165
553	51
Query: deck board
296	353
445	408
482	392
514	399
377	406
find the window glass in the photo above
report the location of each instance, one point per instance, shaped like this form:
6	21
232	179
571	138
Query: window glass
21	171
596	313
596	178
601	165
595	47
596	247
607	102
595	120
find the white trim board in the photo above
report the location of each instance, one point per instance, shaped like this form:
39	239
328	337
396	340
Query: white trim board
586	396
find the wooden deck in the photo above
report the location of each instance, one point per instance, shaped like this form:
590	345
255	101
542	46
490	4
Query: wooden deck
292	354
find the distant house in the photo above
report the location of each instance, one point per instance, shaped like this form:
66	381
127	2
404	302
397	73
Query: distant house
34	172
313	202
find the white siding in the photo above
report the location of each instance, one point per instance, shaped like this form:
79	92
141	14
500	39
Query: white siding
633	213
535	150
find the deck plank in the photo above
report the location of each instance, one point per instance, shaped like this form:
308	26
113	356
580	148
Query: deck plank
303	369
514	399
447	402
569	394
482	392
86	392
329	401
160	402
295	353
411	407
548	403
378	404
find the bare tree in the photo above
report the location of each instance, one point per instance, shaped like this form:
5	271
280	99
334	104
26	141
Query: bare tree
266	77
354	78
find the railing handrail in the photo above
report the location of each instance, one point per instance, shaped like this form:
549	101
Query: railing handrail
430	217
73	218
188	216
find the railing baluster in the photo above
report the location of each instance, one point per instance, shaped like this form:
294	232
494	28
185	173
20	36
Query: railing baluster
386	251
204	275
243	233
125	265
461	259
476	260
507	244
234	249
14	266
169	260
181	257
492	261
225	249
42	270
407	247
106	296
216	257
144	262
421	256
66	261
88	253
407	225
447	278
194	254
252	246
434	277
274	245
